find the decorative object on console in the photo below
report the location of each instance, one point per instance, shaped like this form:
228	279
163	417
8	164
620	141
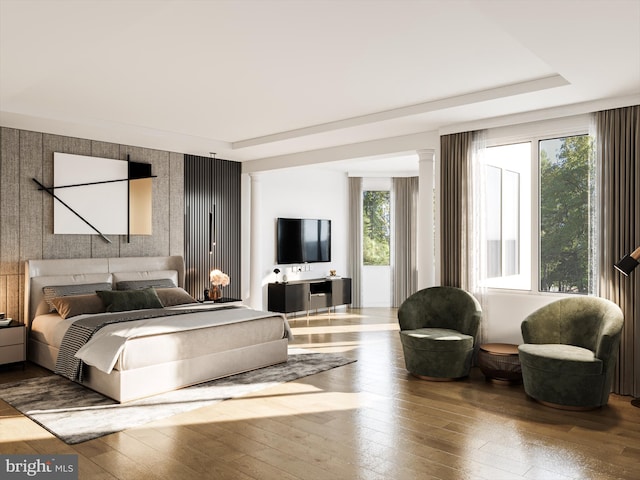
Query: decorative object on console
277	272
215	293
4	321
100	195
218	280
333	275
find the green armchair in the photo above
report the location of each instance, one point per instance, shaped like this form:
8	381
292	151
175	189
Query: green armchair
570	352
438	330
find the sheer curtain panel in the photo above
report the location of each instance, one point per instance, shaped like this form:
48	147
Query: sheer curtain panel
463	252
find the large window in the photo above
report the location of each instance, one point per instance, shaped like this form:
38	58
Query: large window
564	214
503	226
376	211
556	224
507	171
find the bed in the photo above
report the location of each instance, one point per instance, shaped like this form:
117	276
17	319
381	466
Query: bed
190	344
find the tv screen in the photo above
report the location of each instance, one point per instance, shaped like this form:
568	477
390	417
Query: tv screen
302	240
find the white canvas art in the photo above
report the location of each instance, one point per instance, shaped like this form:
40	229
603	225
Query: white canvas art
78	182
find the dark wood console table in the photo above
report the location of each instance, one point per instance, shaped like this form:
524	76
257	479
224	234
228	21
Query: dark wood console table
305	295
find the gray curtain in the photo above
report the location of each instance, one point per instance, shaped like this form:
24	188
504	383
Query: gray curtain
455	158
355	240
405	254
618	158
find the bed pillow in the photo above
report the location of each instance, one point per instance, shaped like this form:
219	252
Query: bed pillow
174	296
145	275
73	305
55	291
123	300
140	284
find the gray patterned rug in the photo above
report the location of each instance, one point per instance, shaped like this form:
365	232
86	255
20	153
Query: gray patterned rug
76	414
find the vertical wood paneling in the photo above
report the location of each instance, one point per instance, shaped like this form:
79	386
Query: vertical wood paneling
9	201
26	214
30	197
212	185
14	298
176	204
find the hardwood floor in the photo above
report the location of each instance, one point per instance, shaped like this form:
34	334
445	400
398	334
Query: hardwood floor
367	420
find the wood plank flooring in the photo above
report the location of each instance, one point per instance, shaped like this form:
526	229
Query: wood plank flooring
366	420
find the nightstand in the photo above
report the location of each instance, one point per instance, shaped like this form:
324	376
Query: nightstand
12	343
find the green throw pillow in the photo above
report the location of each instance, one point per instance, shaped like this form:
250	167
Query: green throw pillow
123	300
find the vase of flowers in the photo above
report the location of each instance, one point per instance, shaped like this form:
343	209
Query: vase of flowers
218	280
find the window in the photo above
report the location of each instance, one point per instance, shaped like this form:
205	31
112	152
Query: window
503	224
507	171
376	220
543	242
564	214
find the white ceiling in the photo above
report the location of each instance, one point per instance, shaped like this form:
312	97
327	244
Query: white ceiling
258	79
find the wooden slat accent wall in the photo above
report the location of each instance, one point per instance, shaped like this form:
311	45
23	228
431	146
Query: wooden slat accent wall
26	214
212	185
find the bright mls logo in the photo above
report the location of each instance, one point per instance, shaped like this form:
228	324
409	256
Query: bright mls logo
52	467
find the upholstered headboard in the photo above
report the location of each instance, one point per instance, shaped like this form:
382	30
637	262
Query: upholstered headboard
43	273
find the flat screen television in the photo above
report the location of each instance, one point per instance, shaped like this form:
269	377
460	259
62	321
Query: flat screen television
303	240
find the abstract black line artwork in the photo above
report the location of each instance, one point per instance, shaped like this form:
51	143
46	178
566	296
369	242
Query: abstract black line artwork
100	196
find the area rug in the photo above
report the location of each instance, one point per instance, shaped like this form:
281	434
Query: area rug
76	414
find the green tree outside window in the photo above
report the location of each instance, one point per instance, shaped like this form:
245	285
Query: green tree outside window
376	212
564	214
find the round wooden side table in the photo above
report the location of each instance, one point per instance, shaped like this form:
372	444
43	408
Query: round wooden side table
500	363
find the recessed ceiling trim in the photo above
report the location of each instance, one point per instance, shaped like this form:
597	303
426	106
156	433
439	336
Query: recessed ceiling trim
382	146
520	88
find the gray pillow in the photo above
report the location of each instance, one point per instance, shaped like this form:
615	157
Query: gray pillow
123	300
140	284
55	291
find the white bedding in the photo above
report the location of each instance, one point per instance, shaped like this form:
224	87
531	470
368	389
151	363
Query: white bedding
105	350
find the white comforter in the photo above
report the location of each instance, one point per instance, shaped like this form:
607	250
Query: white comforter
104	348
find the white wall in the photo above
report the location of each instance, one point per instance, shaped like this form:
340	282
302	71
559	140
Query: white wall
305	192
506	309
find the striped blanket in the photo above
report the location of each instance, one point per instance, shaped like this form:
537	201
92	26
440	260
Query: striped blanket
81	331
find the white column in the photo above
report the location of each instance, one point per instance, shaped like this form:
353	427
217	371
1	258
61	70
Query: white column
255	258
427	262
